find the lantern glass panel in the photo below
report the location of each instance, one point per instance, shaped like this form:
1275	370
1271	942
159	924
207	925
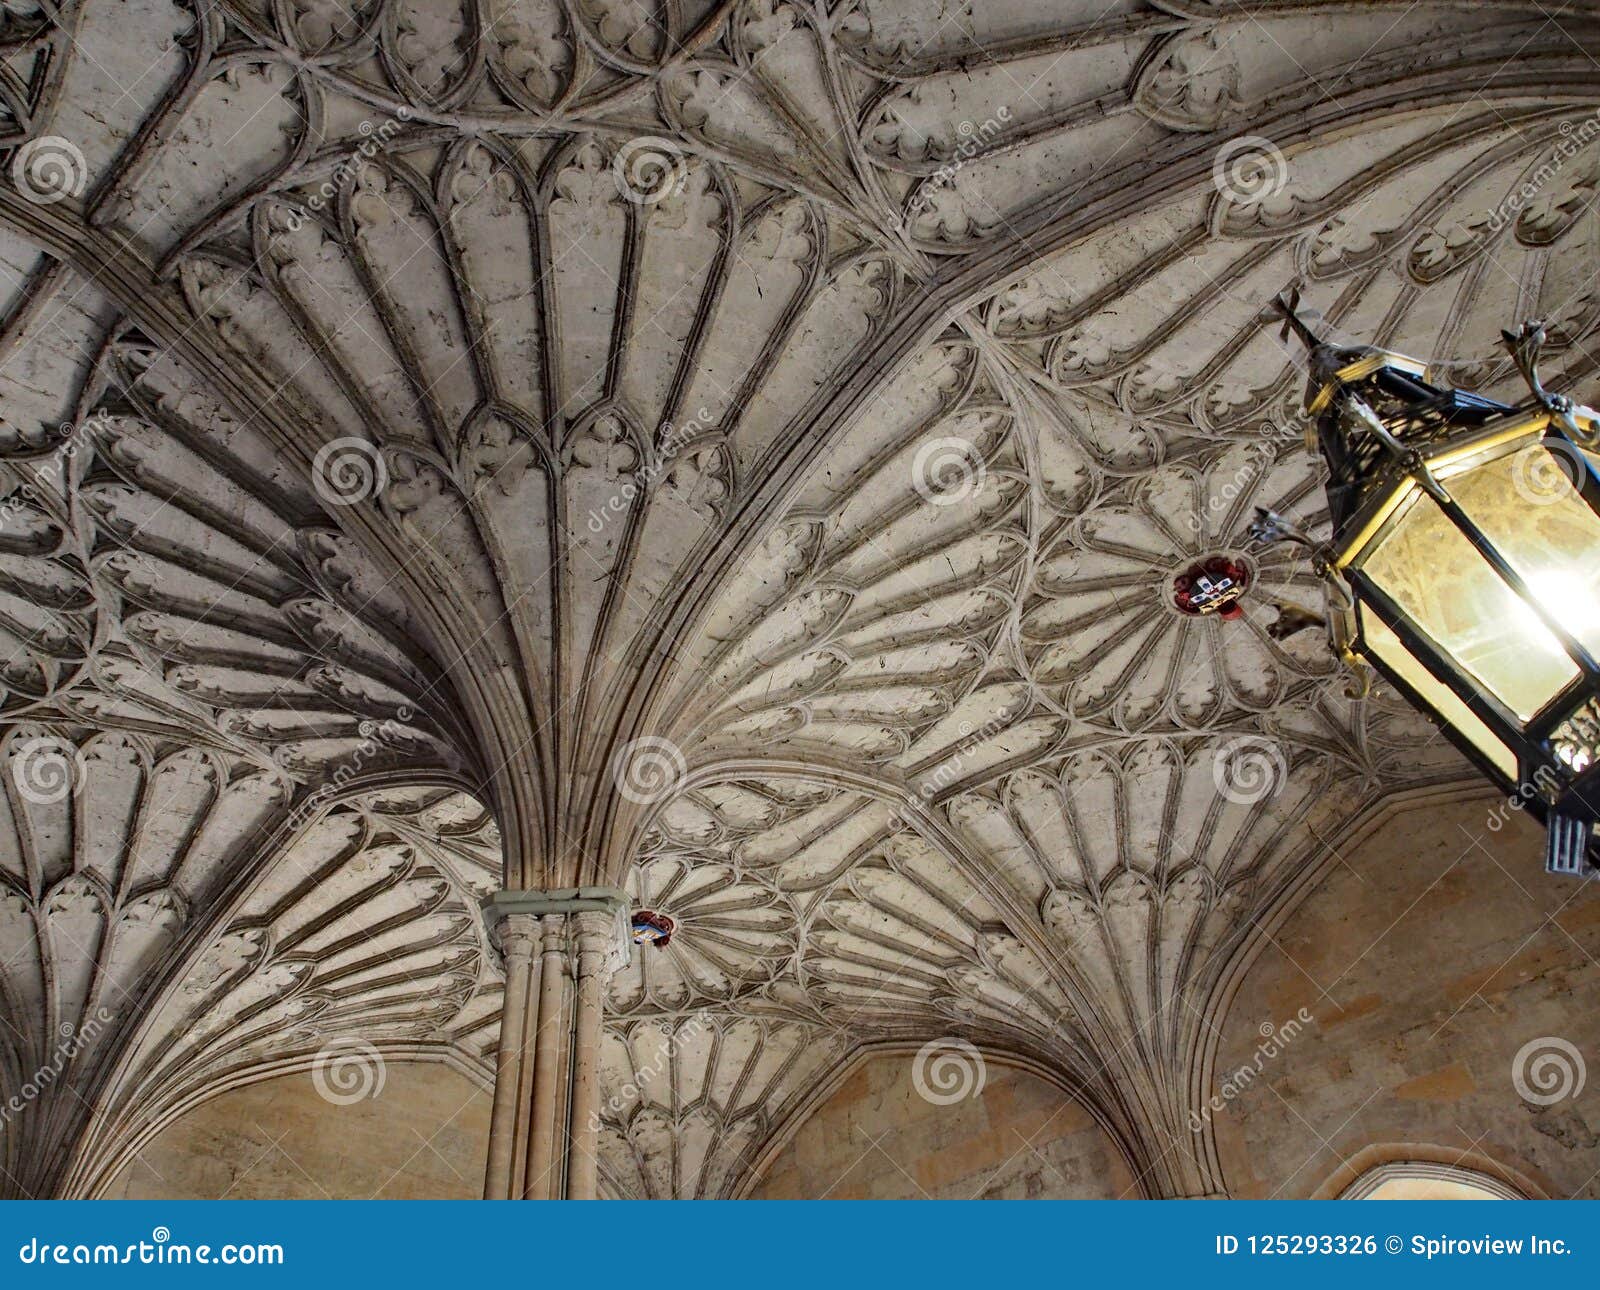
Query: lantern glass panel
1379	642
1525	502
1438	579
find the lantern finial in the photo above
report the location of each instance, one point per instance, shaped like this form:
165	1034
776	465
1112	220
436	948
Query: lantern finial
1288	304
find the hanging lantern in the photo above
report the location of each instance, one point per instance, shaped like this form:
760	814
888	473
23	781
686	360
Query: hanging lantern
1465	566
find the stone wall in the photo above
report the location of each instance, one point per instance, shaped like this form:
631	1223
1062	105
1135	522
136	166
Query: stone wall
1433	954
877	1137
422	1137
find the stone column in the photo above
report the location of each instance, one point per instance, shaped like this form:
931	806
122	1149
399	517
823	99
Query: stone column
560	949
592	941
517	938
540	1168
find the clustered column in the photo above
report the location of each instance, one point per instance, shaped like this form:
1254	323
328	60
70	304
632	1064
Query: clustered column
560	949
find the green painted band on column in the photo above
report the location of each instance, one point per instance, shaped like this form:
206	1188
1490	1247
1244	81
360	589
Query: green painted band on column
569	900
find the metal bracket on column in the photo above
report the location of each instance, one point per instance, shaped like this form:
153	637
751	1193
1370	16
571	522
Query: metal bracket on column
569	900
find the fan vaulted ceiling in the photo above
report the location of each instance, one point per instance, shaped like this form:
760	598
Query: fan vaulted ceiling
739	451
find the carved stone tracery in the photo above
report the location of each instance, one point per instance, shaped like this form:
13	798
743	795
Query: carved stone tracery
463	397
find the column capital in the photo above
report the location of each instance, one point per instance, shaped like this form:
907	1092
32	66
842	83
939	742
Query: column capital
515	936
595	938
595	911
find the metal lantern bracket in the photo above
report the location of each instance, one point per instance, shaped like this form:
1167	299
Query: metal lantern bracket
1267	529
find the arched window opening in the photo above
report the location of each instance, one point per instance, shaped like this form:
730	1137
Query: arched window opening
1427	1180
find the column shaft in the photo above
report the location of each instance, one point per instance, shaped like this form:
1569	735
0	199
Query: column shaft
583	1165
519	941
560	949
542	1179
